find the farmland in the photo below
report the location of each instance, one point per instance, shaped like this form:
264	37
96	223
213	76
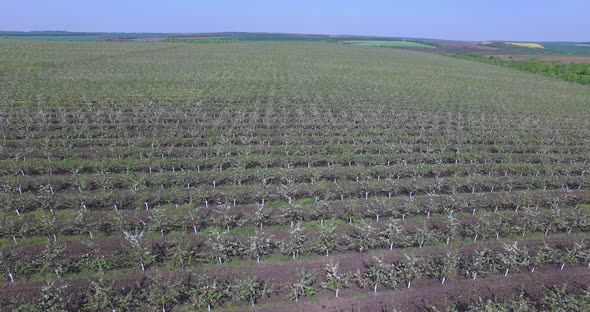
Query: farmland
388	44
287	176
530	45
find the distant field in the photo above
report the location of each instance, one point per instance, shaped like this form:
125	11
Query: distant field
547	58
54	38
567	48
526	45
388	44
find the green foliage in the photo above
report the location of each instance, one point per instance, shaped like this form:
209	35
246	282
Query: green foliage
252	289
208	292
303	287
575	72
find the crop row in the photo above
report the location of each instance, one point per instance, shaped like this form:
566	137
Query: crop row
165	291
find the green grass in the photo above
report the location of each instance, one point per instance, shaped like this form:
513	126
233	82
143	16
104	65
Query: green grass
388	44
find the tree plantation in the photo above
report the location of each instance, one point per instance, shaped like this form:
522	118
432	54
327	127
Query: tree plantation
275	176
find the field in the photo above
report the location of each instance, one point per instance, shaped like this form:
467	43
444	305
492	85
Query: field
388	44
526	45
287	176
53	38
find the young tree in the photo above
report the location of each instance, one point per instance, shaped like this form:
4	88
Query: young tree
160	221
135	239
446	266
480	262
207	292
390	235
182	253
164	292
260	245
54	297
252	289
452	227
334	280
224	247
262	216
297	239
196	219
53	259
321	211
410	270
545	255
6	267
325	241
101	296
513	257
303	287
379	273
293	213
363	237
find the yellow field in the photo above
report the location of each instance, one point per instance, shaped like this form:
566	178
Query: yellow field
526	45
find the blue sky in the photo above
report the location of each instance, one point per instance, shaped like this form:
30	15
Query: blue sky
534	20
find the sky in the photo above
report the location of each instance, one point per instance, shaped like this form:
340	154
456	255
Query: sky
518	20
